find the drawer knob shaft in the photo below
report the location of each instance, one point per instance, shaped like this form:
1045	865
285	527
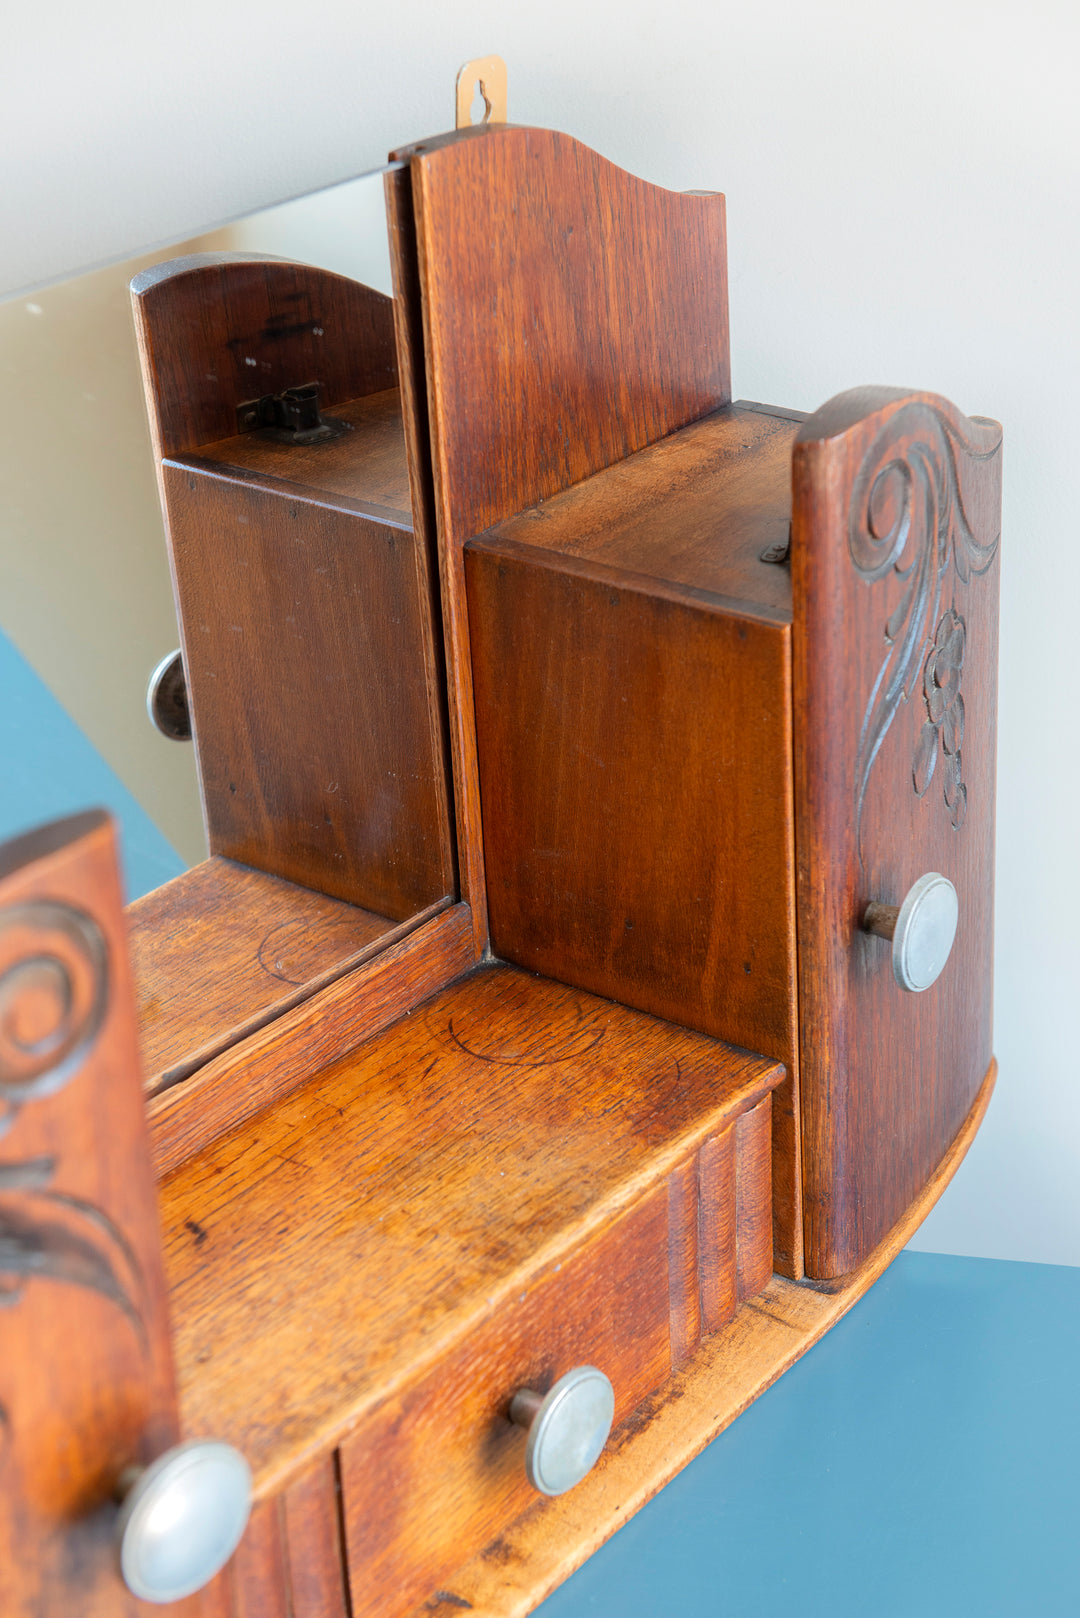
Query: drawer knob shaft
181	1519
922	930
568	1428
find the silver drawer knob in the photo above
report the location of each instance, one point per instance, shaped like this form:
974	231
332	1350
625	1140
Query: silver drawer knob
922	930
568	1428
182	1518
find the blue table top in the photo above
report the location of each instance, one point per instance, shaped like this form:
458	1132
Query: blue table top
919	1462
48	768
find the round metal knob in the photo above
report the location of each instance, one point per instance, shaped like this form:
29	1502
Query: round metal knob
922	930
166	699
568	1428
182	1518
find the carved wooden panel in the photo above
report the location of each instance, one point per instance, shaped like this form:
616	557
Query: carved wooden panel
895	575
86	1384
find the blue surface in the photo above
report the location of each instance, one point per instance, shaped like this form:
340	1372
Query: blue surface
919	1462
48	768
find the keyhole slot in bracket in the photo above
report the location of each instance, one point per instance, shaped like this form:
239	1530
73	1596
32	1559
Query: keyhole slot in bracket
488	74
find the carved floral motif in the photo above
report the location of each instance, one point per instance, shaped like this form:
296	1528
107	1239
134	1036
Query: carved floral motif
53	995
907	518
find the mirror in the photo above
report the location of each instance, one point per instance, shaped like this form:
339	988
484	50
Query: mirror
86	598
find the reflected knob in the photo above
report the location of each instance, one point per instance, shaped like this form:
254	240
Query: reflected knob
922	930
568	1428
166	699
181	1519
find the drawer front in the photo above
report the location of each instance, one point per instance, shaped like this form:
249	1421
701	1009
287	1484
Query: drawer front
438	1471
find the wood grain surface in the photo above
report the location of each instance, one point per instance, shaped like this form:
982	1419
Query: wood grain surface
580	315
258	1070
447	596
634	745
222	949
895	570
306	600
218	329
86	1378
366	466
696	509
307	639
538	1112
512	1574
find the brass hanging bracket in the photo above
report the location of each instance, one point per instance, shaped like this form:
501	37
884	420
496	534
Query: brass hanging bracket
489	72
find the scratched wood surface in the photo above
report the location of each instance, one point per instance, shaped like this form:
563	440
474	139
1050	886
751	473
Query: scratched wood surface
897	518
631	669
222	949
697	509
538	1112
257	1070
86	1380
511	1575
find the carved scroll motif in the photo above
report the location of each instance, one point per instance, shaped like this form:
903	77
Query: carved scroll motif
907	518
53	995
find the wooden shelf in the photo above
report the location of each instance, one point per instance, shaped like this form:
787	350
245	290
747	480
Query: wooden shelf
366	466
695	510
223	948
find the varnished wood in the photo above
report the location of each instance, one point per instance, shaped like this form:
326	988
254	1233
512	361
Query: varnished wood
542	366
447	603
439	1465
86	1379
311	1526
753	1238
634	745
222	949
513	1573
539	1112
299	578
897	515
697	509
374	482
218	329
258	1070
336	777
393	1195
538	369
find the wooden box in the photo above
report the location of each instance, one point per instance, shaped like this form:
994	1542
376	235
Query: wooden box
535	1009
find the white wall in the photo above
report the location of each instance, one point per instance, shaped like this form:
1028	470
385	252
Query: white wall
902	186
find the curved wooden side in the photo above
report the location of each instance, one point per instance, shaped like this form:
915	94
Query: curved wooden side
729	1371
216	329
896	523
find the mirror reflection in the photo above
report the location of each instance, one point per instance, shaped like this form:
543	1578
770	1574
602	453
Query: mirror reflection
309	605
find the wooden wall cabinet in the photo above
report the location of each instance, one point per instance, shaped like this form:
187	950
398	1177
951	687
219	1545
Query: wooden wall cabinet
570	737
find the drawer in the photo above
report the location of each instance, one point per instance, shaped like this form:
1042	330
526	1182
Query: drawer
517	1179
438	1471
